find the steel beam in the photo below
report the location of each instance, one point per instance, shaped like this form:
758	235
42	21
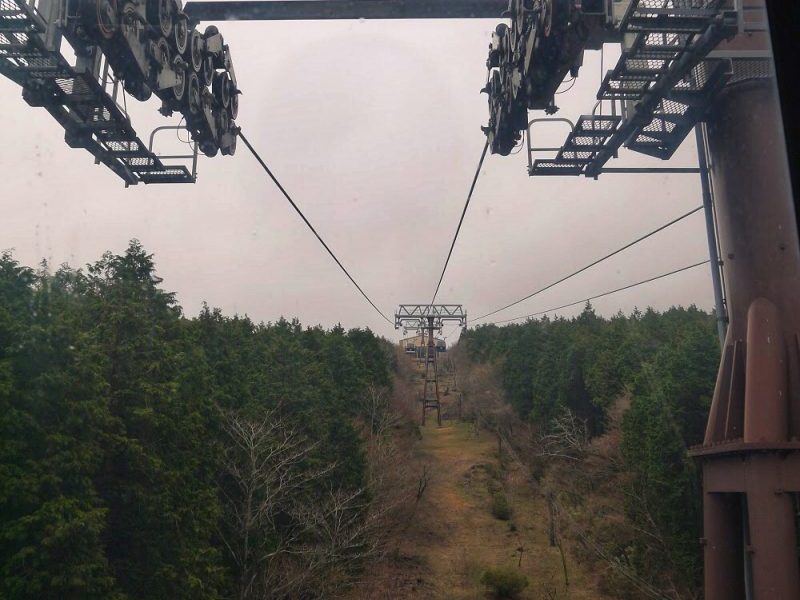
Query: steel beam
300	10
711	234
411	315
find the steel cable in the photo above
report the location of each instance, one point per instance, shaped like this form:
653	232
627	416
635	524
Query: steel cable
592	264
626	287
461	220
310	226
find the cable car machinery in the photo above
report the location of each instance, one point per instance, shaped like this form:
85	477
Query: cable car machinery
649	102
133	47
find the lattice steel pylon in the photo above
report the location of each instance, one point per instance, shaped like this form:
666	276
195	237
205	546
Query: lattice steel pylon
430	317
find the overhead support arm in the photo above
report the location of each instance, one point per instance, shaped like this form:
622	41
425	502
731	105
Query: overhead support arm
429	315
294	10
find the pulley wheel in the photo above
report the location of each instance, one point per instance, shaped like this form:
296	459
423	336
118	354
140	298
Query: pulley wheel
159	14
227	88
231	150
208	71
179	89
129	21
209	148
193	94
106	22
138	89
221	89
223	122
196	50
181	32
546	17
162	55
234	102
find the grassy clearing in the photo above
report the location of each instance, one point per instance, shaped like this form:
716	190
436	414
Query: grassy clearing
454	538
457	536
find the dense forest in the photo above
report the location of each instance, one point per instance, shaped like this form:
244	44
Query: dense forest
559	372
146	454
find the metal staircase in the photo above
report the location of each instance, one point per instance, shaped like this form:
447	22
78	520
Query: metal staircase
90	116
662	85
669	16
587	138
679	111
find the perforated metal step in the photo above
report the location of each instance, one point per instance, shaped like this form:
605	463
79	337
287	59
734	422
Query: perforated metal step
670	16
680	111
580	148
591	131
639	67
547	167
662	45
666	31
179	174
18	16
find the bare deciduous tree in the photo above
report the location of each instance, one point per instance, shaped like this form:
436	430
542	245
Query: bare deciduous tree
265	479
567	437
289	530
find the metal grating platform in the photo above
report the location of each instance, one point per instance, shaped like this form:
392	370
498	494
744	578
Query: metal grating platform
546	166
668	16
654	53
662	82
91	118
679	111
583	143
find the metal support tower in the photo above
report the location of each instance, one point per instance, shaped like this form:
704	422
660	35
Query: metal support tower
711	234
684	63
751	453
659	90
433	317
430	388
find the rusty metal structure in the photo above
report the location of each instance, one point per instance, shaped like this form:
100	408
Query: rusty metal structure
430	318
123	48
751	451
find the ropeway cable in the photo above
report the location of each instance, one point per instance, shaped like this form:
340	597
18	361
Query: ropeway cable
310	226
627	287
461	220
592	264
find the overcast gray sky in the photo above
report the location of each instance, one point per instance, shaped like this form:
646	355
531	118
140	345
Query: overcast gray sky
374	128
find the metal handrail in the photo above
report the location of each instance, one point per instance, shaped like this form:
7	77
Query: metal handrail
192	156
531	149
